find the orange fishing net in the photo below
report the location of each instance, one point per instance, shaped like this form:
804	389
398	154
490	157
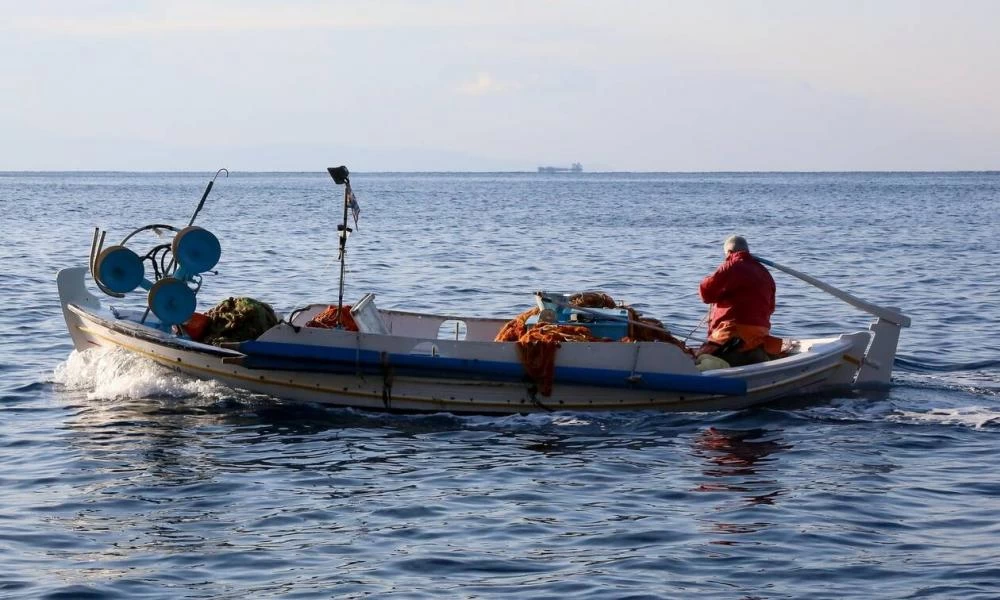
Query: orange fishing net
537	350
536	347
515	328
648	329
328	319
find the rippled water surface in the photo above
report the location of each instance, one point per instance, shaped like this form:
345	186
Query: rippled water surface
121	480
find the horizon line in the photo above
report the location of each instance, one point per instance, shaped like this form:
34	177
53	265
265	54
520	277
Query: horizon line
512	172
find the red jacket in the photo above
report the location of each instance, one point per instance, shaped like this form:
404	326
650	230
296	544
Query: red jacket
742	291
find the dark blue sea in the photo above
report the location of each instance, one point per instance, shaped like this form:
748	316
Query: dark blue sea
119	479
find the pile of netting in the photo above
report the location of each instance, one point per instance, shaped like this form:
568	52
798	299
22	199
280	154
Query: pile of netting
328	319
232	320
536	347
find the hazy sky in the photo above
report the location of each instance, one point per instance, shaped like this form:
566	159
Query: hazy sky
645	85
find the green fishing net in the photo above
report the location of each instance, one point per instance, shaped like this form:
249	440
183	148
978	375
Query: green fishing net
238	320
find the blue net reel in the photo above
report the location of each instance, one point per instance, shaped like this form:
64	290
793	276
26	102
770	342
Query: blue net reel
171	300
176	267
196	249
119	269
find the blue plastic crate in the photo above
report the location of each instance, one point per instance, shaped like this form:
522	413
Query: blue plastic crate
603	322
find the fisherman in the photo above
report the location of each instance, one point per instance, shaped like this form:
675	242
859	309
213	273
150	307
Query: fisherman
741	292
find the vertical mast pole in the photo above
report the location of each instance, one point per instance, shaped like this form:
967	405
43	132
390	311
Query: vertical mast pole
343	230
340	176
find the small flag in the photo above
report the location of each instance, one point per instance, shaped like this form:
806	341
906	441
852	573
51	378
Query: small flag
352	203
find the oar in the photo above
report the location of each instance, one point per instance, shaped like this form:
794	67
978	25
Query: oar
882	312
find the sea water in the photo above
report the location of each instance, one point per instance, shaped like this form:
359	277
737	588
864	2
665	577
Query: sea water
119	479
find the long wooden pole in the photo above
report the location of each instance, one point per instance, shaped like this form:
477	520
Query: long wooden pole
882	312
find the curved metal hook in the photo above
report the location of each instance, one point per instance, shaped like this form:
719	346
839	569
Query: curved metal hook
219	171
153	226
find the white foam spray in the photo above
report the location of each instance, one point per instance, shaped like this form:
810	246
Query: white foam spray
107	374
975	417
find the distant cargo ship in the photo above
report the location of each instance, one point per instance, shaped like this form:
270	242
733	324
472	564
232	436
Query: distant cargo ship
576	168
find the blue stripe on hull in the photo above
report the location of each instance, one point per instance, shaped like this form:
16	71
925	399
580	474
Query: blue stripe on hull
349	360
312	365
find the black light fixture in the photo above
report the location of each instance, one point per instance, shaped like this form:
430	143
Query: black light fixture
339	174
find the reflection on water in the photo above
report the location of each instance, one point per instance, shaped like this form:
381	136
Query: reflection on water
739	462
736	451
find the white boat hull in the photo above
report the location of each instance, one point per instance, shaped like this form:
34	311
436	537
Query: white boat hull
417	371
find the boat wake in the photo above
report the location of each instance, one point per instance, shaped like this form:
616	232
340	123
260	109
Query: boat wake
980	377
113	374
975	417
935	410
930	366
978	383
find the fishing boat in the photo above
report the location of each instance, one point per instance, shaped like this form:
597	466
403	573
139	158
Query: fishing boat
394	360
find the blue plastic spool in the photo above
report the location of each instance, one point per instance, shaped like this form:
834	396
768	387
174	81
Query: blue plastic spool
172	301
119	269
196	250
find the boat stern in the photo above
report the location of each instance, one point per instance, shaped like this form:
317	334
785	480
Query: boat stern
876	365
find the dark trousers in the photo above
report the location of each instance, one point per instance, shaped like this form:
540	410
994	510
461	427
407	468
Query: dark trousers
731	352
